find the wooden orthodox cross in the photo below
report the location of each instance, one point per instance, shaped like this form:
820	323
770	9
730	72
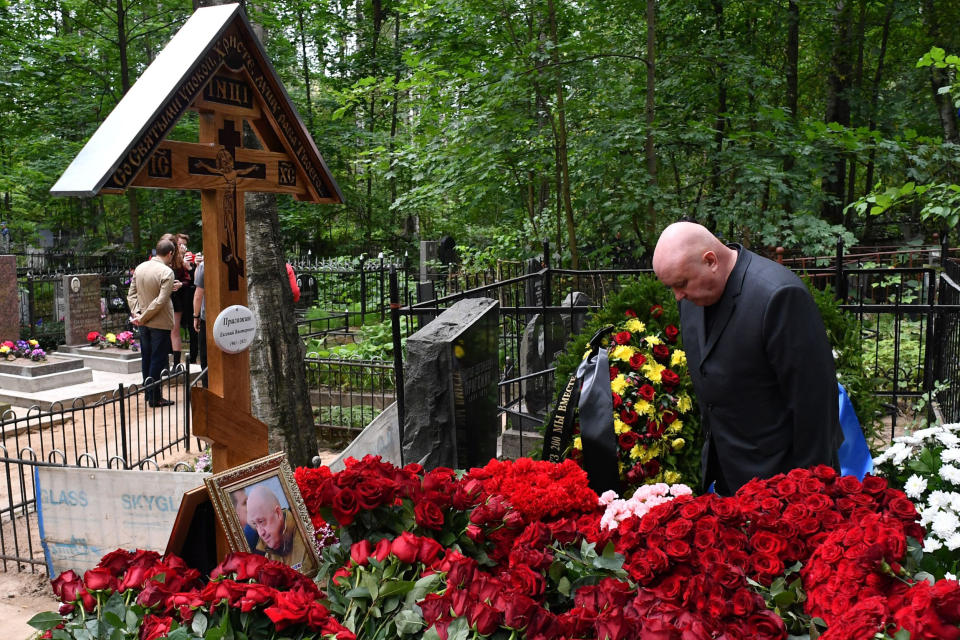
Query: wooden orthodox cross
216	67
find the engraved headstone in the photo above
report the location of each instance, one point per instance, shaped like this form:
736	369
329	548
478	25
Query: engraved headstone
532	287
82	314
539	345
9	300
428	255
451	374
576	319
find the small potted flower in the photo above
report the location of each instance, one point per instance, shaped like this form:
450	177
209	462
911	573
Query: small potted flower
95	339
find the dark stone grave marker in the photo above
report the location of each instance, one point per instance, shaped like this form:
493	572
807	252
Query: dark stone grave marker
82	313
451	374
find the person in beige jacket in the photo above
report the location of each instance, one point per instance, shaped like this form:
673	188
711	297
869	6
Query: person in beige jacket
152	311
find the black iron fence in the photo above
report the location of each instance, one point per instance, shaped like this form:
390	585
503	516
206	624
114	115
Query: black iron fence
907	318
347	394
117	431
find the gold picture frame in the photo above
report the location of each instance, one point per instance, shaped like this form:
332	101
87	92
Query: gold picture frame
262	497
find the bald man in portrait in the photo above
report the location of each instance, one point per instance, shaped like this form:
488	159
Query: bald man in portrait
280	539
758	353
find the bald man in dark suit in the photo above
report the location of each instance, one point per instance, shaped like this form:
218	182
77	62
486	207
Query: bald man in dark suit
758	354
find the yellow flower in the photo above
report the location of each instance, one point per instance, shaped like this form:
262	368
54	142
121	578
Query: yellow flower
642	407
675	427
618	384
684	403
622	352
634	326
33	343
678	444
653	371
619	426
635	453
4	349
652	452
111	338
671	477
678	358
653	340
577	443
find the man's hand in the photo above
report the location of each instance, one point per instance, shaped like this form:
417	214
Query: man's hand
196	324
135	320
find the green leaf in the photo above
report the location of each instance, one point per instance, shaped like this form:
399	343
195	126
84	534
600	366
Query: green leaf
902	634
610	559
423	586
408	622
199	624
459	629
400	587
45	620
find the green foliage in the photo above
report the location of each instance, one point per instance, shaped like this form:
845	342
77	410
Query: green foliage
843	330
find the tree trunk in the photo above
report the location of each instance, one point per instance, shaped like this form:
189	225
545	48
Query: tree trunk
650	152
133	207
838	109
306	66
278	383
560	139
875	90
939	78
720	120
792	93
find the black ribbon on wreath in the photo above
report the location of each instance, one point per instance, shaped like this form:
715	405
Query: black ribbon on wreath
589	391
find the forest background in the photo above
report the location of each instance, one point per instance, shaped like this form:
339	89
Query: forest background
590	124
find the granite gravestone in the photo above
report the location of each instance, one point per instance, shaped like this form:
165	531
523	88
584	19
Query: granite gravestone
451	373
539	346
82	314
9	300
428	255
576	320
532	287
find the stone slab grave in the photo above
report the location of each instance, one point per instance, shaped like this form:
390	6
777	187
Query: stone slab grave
107	359
450	390
29	376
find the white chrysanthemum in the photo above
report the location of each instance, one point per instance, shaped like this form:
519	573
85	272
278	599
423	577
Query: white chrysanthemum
909	440
938	499
945	524
931	544
953	542
948	439
950	455
949	576
952	426
923	434
915	486
955	501
950	473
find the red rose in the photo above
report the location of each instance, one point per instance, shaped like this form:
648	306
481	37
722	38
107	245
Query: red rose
99	579
185	604
637	360
678	528
66	585
768	543
767	566
116	561
256	595
617	400
874	484
527	581
849	484
345	506
612	624
406	546
628	415
903	509
661	353
289	608
516	611
744	602
370	495
428	515
433	606
766	624
668	417
154	627
677	549
671	332
430	550
627	440
484	618
656	311
669	379
630	313
382	550
622	337
655	429
647	392
360	552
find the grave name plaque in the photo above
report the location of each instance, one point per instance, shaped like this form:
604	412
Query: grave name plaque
451	373
82	314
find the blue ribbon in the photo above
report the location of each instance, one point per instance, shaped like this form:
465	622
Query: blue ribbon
854	454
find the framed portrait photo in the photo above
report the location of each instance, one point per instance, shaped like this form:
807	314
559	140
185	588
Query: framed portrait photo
261	511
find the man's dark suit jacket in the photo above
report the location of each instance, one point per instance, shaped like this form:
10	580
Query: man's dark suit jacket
764	376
